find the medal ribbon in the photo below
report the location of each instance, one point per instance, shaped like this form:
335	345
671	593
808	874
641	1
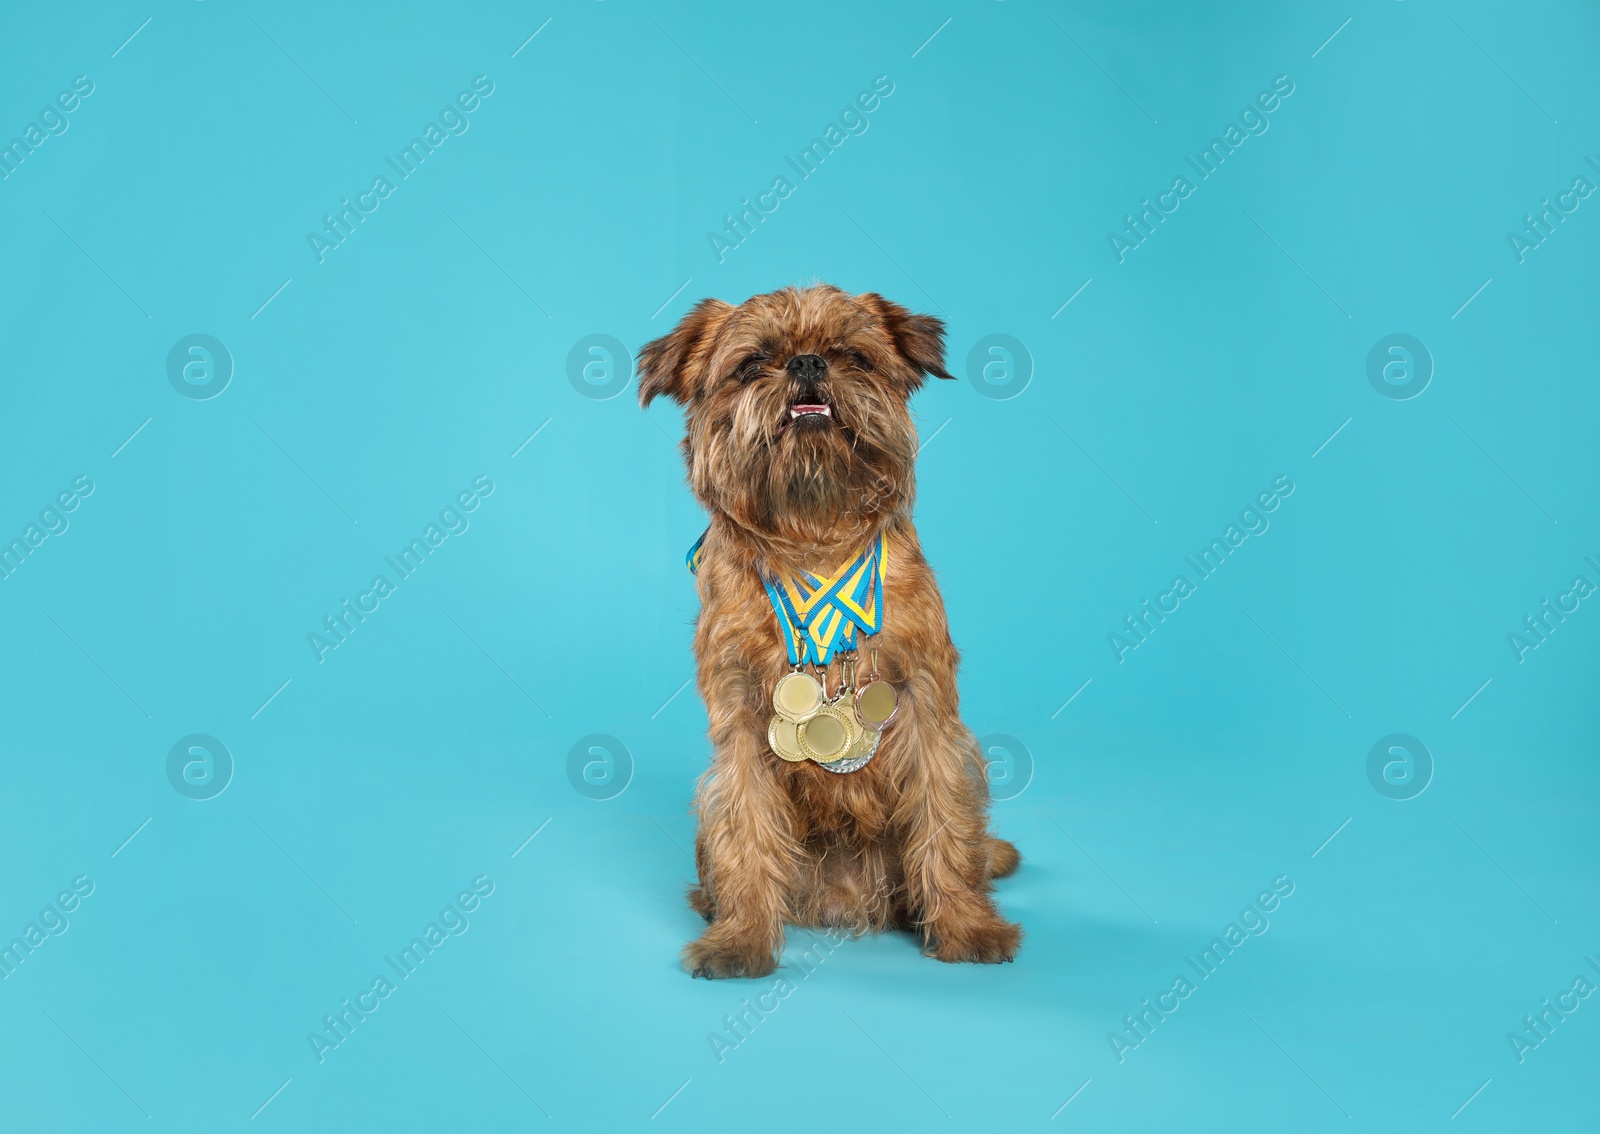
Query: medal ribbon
820	614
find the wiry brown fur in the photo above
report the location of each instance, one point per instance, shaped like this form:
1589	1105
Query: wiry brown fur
903	842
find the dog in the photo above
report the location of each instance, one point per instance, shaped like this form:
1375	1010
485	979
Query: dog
800	444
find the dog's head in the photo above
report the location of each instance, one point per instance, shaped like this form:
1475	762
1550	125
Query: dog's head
796	406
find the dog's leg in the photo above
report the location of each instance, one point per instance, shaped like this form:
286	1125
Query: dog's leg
748	854
946	846
700	893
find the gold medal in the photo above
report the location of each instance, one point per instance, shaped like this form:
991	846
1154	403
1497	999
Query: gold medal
876	704
783	736
828	735
860	754
866	741
797	696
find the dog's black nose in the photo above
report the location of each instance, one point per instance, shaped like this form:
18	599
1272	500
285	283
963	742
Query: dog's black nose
807	367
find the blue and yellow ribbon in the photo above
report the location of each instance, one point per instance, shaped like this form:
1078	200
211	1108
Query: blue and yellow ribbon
820	614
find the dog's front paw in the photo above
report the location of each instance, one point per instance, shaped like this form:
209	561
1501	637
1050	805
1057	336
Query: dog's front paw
716	955
990	941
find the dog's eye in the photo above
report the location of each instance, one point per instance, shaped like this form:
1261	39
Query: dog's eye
862	361
750	368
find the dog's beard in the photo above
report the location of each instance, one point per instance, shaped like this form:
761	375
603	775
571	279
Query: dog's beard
812	471
809	480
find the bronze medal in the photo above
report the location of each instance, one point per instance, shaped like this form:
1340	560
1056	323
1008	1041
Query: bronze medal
797	696
783	736
876	704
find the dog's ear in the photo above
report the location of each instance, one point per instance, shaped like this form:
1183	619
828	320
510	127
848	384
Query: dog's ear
672	365
918	338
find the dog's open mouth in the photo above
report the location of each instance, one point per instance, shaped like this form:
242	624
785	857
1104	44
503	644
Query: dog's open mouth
814	418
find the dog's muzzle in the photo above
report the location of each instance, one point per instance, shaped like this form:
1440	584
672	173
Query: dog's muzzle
809	405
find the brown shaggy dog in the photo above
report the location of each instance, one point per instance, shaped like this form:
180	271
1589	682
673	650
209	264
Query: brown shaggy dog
903	842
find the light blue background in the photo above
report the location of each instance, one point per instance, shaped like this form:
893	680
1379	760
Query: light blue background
428	748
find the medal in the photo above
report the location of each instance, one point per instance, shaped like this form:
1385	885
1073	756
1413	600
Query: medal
783	735
797	696
828	735
876	702
860	754
866	742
